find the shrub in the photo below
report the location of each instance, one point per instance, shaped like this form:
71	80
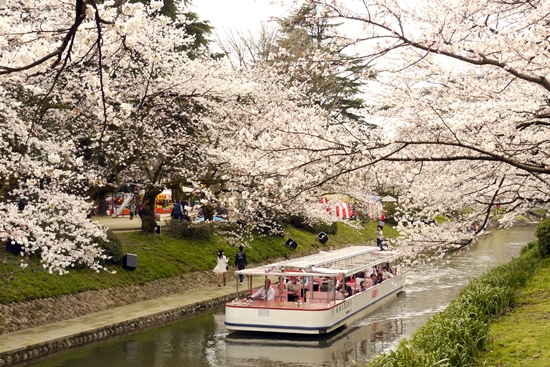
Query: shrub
176	226
325	227
228	227
196	231
112	247
543	234
202	231
528	247
315	228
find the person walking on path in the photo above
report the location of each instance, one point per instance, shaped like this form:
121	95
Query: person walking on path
379	237
140	211
241	262
177	211
132	209
221	268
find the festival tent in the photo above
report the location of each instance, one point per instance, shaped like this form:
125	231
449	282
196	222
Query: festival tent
389	199
339	209
374	207
343	210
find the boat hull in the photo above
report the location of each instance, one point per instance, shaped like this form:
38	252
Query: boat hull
317	316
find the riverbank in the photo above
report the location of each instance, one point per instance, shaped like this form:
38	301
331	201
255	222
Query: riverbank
160	256
36	343
460	335
107	333
36	328
522	336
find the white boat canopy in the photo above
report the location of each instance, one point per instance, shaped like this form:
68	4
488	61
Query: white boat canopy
347	261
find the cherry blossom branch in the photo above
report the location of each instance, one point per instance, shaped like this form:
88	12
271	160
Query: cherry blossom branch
80	14
486	156
399	35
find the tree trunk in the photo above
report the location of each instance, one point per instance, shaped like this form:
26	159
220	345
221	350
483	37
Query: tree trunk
148	222
101	203
208	211
177	192
99	194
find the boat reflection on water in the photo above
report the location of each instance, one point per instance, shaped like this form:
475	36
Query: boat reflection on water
342	348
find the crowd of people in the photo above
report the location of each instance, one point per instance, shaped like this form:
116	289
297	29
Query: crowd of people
179	211
297	286
205	212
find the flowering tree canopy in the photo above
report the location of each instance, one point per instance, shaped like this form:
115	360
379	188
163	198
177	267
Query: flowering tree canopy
462	104
93	95
101	94
96	94
465	94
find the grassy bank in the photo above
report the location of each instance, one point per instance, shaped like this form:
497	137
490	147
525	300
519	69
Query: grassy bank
522	337
159	256
459	335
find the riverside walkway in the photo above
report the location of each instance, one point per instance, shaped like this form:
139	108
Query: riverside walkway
36	343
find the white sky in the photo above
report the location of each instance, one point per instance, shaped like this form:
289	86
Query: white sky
237	14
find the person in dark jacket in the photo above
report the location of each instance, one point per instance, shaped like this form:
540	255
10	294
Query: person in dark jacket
177	211
241	262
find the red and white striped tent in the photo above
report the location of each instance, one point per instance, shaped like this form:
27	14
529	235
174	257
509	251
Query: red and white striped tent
343	210
339	209
374	207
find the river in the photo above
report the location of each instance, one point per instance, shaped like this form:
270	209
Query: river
203	341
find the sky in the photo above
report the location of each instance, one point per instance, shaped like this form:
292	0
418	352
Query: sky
237	14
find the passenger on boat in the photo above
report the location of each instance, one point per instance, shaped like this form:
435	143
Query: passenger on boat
372	279
344	289
332	284
266	293
304	281
379	278
362	286
386	274
293	288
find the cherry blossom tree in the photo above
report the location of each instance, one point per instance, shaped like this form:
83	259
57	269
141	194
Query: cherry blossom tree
462	105
40	161
100	95
94	94
466	97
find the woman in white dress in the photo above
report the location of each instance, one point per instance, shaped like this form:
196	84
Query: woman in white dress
221	268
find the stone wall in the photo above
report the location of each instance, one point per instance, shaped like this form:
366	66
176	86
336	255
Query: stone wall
40	351
24	315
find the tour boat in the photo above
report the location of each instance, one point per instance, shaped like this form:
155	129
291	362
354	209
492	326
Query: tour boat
328	297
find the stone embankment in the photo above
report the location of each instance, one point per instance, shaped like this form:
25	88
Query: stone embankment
24	315
46	312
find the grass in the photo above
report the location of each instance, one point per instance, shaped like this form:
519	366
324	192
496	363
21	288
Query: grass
159	256
522	337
